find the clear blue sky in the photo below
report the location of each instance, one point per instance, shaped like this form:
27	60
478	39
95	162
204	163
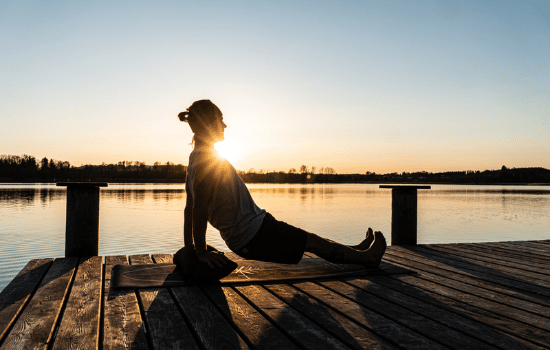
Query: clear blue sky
385	86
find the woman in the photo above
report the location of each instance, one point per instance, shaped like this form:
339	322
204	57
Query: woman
216	194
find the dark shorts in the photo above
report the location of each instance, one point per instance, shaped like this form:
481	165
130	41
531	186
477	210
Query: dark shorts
276	241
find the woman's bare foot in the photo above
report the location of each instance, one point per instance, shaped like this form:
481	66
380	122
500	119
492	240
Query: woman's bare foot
342	254
376	250
366	243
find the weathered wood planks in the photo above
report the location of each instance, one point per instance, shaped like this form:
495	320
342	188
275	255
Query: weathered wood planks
123	327
35	326
166	326
331	320
261	333
15	295
79	328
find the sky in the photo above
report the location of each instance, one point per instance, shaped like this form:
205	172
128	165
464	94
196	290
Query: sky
379	86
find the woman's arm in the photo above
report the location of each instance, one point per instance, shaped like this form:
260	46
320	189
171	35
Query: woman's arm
188	218
203	187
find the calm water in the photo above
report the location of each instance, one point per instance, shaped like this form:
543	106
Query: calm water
143	218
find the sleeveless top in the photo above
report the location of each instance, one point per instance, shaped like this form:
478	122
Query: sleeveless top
231	209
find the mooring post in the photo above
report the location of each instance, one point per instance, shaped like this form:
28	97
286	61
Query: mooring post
82	224
404	213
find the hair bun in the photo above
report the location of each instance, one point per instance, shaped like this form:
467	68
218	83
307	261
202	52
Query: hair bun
184	116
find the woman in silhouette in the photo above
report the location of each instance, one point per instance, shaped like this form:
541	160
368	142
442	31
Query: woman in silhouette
216	194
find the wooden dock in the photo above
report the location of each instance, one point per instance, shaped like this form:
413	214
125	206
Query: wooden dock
460	296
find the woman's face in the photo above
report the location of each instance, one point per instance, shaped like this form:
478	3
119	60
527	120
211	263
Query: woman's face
217	127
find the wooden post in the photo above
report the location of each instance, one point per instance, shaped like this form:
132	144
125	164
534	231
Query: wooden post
404	214
82	224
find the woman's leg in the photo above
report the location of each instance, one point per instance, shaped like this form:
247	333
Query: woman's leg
339	253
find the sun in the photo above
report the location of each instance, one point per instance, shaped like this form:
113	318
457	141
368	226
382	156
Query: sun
228	150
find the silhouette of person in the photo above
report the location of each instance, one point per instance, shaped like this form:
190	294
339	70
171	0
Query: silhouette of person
216	194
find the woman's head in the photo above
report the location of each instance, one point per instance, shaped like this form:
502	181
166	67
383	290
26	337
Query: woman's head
205	120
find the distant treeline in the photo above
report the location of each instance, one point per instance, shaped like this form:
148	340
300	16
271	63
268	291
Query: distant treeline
27	168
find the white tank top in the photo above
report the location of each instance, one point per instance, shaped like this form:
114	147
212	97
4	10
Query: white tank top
231	209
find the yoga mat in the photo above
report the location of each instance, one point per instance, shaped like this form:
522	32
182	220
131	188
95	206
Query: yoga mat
167	275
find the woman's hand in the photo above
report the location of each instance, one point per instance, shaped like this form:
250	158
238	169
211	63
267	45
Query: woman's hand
212	257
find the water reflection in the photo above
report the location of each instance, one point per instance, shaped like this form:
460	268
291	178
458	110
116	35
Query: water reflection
137	195
23	197
27	196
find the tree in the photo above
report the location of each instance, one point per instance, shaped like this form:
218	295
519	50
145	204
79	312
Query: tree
52	166
304	169
44	164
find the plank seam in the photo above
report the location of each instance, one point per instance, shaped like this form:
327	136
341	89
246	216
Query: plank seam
454	311
328	306
520	294
503	259
269	319
501	329
457	329
434	339
345	315
519	252
519	290
491	300
51	341
24	306
192	330
464	260
144	320
229	320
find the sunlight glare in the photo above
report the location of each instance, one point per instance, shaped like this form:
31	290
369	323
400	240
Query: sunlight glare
228	150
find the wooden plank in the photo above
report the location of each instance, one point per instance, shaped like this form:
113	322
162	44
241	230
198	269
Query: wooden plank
535	247
494	302
377	323
253	325
123	327
467	269
16	294
140	259
499	268
488	282
529	307
496	328
473	307
212	329
511	251
79	328
518	248
446	316
34	328
492	256
347	331
166	326
299	328
412	320
163	258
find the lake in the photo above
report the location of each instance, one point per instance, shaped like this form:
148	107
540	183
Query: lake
148	218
